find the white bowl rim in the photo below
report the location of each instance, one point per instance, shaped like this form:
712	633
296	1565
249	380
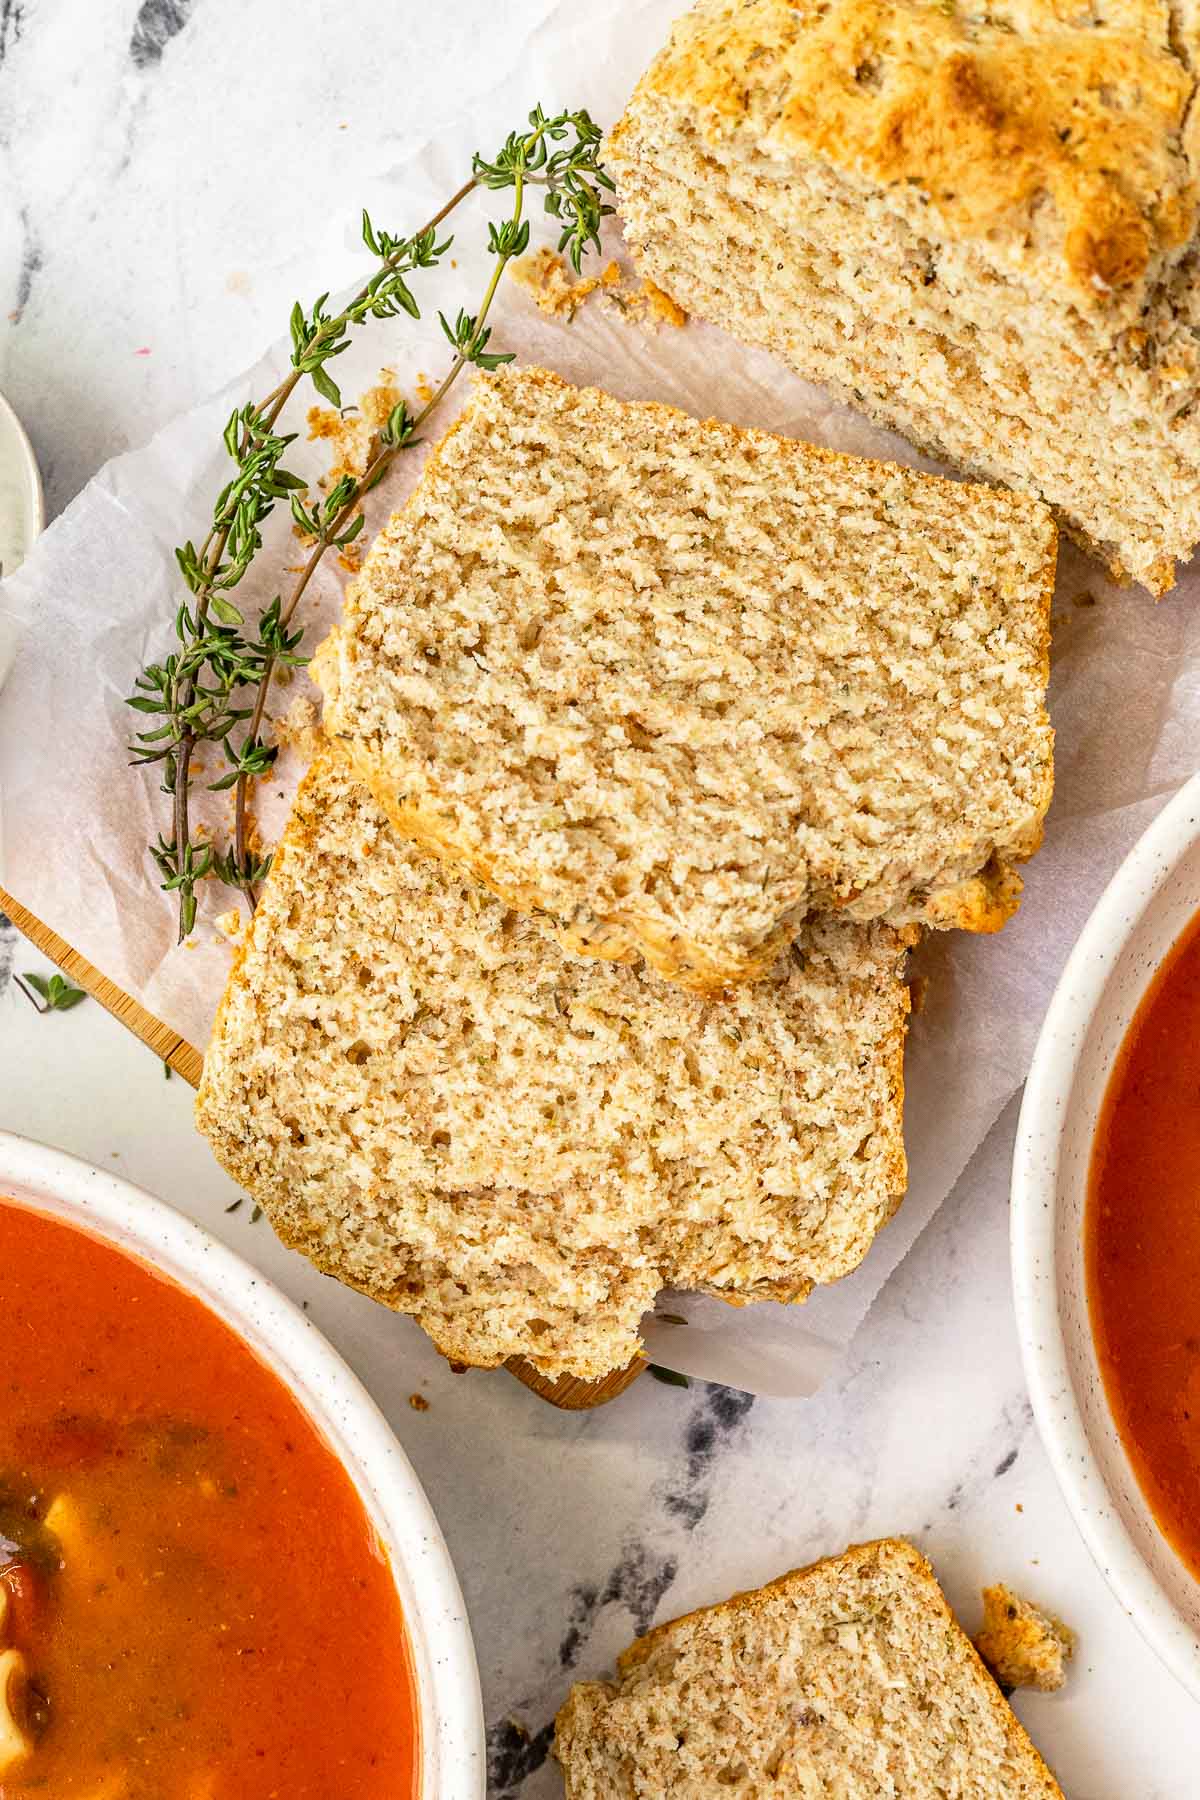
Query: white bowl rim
31	474
452	1750
1033	1222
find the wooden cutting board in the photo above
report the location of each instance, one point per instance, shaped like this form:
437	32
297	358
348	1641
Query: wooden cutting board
183	1057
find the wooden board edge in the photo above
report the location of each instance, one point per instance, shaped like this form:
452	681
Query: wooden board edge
567	1392
571	1394
165	1042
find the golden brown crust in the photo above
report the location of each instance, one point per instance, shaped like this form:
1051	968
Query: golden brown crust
1039	132
983	903
1021	1645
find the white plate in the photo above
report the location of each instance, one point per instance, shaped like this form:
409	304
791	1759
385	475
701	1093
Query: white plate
1148	903
448	1697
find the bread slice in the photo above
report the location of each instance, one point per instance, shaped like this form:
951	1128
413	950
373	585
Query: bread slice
440	1106
679	685
849	1678
978	225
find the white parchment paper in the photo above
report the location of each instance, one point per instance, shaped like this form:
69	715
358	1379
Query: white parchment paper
96	599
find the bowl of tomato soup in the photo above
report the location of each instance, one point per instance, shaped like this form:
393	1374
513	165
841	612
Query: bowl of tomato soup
219	1576
1106	1234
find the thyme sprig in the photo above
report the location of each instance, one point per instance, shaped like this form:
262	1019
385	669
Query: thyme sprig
55	992
214	687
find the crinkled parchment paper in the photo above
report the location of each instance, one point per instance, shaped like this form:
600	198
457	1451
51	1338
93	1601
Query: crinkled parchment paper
96	598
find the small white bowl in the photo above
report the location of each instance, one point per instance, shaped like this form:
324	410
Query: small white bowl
1149	902
452	1762
22	513
22	503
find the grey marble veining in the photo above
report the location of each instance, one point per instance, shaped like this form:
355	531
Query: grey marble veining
149	246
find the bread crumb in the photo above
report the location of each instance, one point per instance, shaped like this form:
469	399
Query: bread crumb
544	276
646	305
256	845
1021	1645
377	404
299	728
230	923
418	1402
424	388
660	307
1084	598
353	435
353	432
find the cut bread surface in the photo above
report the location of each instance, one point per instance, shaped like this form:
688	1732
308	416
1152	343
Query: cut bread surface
441	1106
679	685
979	228
850	1677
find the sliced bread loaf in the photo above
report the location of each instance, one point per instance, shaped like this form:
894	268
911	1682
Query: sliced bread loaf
680	685
976	223
849	1678
442	1107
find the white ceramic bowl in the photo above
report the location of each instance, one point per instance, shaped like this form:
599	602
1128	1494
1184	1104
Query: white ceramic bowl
1145	907
22	504
452	1761
22	512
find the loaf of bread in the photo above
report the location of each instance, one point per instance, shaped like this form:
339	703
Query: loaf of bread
978	225
442	1107
679	686
847	1678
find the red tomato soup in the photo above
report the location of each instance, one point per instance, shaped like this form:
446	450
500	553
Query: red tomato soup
1142	1240
193	1603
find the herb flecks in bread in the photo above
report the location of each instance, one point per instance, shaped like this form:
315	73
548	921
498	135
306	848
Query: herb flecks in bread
442	1107
679	685
847	1678
979	227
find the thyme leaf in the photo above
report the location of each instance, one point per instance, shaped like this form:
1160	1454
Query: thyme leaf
56	993
212	686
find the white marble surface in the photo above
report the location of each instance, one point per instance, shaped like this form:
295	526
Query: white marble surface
145	255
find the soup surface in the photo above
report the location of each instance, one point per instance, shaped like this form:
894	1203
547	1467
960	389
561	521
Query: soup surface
1143	1245
193	1604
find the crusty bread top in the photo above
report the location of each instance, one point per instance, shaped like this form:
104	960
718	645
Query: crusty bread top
679	684
1052	135
438	1105
849	1677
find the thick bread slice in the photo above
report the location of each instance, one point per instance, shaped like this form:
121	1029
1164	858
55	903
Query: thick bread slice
440	1106
849	1678
977	224
680	685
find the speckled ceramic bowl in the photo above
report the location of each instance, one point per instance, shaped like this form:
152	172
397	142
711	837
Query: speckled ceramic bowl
22	512
1144	909
451	1715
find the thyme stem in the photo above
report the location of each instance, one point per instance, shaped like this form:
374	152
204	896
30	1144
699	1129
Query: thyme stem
375	471
195	691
